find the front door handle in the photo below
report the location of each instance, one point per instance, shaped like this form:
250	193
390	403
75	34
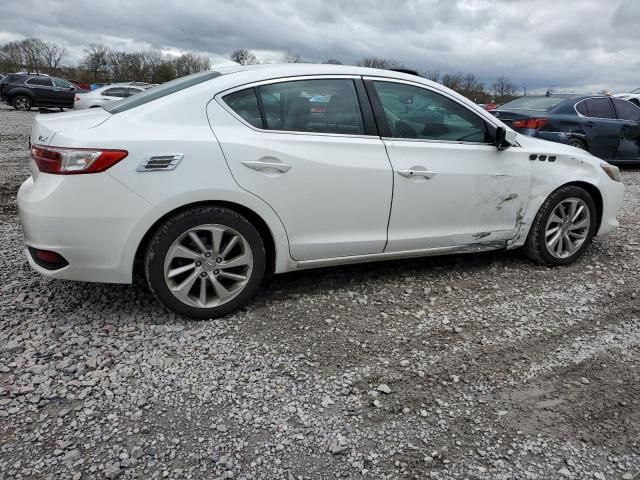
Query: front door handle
417	172
260	165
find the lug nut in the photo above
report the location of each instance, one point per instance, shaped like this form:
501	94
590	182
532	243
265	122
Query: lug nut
207	254
216	271
203	274
219	259
198	264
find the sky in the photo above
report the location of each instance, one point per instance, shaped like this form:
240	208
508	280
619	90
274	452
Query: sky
568	45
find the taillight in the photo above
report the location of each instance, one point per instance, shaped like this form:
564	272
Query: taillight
68	161
530	123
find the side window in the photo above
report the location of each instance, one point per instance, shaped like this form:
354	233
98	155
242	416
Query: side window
132	91
115	92
414	112
322	106
626	110
600	108
581	108
40	81
58	82
245	104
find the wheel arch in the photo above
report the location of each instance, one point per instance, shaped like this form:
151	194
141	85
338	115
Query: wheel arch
595	194
257	221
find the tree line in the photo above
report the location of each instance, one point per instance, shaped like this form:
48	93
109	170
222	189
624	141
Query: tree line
99	64
102	64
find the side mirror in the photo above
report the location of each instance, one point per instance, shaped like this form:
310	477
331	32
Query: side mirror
505	138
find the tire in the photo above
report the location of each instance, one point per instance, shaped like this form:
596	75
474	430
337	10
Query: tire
22	103
577	143
170	262
542	231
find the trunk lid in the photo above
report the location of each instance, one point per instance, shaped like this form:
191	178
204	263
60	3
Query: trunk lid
45	126
510	116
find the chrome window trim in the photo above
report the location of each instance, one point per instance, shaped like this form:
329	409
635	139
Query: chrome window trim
219	98
437	92
575	107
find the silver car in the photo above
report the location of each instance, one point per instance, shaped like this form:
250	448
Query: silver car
103	96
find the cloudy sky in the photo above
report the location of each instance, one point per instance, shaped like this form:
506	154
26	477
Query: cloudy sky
566	44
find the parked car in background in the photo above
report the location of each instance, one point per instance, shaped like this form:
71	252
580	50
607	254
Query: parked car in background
607	127
205	188
633	96
107	94
24	91
488	106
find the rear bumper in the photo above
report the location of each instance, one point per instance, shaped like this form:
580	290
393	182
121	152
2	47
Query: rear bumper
91	220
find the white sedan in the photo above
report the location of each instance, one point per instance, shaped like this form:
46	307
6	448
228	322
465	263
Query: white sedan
632	96
103	96
209	183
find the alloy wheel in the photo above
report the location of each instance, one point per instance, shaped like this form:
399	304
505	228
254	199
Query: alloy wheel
22	103
208	265
567	227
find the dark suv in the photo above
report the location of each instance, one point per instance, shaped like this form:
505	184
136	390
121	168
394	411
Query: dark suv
24	91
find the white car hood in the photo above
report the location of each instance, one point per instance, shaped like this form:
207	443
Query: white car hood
45	126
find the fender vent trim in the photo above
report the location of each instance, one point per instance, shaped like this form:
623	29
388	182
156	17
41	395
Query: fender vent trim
160	162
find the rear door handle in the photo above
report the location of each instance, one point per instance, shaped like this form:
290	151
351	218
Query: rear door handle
417	172
260	165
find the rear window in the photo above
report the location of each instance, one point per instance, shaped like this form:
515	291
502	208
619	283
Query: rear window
160	91
536	104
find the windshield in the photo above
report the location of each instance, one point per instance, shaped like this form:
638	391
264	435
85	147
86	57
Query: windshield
536	104
160	91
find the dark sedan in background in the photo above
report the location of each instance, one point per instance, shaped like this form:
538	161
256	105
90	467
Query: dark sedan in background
608	128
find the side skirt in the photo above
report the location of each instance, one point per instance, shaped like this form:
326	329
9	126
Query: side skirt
379	257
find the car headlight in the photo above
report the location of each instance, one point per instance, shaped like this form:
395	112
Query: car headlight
612	171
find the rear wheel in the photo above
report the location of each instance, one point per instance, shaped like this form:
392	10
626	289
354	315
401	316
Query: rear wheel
205	262
22	103
563	227
577	143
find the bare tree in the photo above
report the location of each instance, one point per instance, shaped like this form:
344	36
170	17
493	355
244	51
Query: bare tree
188	63
379	62
333	61
96	59
53	54
433	75
244	57
293	58
12	58
33	54
452	81
503	89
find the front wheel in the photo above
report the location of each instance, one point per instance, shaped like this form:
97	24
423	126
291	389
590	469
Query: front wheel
22	103
563	227
205	262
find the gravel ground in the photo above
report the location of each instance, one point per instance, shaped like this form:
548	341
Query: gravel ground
480	367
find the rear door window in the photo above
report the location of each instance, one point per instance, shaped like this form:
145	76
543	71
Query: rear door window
318	106
600	108
40	81
626	110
